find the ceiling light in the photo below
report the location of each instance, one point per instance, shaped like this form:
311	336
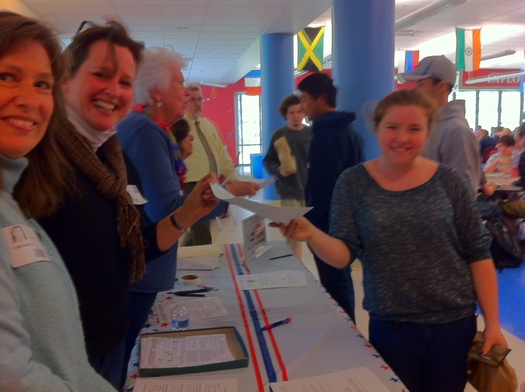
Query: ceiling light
425	13
492	78
406	33
503	53
214	84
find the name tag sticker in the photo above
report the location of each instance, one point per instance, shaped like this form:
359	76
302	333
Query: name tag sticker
135	194
25	246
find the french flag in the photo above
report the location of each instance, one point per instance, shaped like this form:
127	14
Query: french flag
252	82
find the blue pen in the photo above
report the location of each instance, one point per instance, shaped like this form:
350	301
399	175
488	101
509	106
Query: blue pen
276	324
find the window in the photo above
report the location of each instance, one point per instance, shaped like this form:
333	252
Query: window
248	121
488	109
470	106
510	109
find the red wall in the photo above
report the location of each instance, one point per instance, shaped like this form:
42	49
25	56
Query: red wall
220	108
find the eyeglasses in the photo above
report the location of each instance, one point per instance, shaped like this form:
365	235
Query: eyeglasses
85	23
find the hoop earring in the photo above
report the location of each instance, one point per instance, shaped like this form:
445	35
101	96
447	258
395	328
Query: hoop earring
160	104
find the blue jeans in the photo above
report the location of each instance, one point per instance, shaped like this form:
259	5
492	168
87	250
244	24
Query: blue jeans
112	367
426	357
338	282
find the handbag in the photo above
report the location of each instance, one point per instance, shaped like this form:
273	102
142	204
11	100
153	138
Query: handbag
491	372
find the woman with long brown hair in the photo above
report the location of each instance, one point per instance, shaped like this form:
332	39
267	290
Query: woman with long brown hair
41	339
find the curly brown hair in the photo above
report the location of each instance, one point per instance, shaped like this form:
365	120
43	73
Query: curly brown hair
288	101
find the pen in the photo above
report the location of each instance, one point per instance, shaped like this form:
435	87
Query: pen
280	257
190	295
276	324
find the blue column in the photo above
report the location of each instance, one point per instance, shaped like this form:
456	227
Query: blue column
363	59
277	81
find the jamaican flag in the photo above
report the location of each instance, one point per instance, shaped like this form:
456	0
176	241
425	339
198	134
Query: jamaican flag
310	49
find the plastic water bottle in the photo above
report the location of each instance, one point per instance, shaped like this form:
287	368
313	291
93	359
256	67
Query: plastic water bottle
180	318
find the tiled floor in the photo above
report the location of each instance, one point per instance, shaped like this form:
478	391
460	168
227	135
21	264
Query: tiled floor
513	302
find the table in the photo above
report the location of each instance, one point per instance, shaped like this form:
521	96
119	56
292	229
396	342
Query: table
320	339
506	190
503	180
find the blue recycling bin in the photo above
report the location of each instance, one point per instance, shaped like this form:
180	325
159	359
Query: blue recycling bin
257	165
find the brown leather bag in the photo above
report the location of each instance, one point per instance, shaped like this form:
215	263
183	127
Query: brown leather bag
484	375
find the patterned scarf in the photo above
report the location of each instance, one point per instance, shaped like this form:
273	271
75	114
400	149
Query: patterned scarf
180	167
111	180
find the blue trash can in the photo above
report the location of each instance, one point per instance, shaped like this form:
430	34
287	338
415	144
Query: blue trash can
257	165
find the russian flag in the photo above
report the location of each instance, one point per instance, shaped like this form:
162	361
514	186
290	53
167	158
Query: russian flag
252	82
411	60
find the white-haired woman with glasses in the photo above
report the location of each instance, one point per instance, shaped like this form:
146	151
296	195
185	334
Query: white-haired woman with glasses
145	136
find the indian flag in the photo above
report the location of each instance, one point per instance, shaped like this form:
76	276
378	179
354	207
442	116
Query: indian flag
468	49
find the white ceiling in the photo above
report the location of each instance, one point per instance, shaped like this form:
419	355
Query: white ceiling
220	38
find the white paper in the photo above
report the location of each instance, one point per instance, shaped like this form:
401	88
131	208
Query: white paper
270	280
254	235
269	181
185	385
273	213
352	380
199	250
24	245
136	196
167	352
198	308
198	263
262	250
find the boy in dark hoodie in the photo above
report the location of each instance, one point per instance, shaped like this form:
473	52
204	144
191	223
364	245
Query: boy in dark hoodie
334	147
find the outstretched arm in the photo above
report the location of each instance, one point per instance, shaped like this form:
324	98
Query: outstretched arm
199	203
331	250
242	188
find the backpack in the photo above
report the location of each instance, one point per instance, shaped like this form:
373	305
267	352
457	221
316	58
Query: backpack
505	247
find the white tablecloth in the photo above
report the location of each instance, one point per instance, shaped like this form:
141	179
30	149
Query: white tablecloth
320	339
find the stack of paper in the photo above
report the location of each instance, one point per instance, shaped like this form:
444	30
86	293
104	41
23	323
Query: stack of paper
198	263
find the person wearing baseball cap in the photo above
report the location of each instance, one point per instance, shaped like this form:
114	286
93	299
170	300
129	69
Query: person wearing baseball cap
453	143
438	68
